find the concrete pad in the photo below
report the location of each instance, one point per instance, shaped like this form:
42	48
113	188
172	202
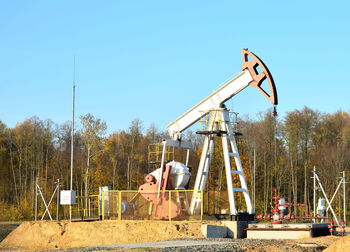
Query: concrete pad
276	234
236	229
212	231
231	228
289	225
286	230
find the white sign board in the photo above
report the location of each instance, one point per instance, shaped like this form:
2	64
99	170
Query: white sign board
67	197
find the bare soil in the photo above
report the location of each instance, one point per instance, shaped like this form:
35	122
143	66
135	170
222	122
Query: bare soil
78	236
45	235
341	245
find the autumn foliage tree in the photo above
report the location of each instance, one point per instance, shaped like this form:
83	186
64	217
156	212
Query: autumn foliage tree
275	152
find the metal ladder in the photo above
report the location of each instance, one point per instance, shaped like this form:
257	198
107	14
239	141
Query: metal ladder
221	118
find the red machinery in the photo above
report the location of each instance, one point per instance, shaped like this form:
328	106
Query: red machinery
278	213
160	199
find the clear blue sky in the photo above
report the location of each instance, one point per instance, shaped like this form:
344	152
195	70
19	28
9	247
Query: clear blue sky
156	59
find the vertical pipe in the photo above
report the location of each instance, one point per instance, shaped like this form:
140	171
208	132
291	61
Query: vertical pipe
89	206
58	198
202	205
161	168
36	198
72	141
169	205
344	204
254	178
99	206
120	205
314	192
187	156
103	209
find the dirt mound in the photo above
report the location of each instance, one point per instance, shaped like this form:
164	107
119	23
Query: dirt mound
342	245
44	235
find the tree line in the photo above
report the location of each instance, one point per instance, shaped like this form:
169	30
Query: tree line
278	152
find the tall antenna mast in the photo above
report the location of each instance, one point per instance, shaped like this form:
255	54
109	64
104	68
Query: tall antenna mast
72	142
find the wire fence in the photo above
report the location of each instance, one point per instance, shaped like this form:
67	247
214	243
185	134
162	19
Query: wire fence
86	207
164	205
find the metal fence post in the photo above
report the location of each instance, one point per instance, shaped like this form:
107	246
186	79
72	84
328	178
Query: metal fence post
119	205
36	198
103	209
58	198
201	205
99	207
169	205
344	198
89	206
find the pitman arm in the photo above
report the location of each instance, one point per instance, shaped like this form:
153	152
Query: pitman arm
249	76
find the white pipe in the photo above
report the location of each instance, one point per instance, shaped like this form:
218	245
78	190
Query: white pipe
344	205
161	168
187	157
314	193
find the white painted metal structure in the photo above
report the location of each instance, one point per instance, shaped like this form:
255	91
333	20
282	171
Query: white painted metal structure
218	116
219	124
174	143
329	202
46	204
215	100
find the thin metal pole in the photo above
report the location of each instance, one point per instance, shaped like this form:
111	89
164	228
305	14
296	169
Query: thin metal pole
314	193
344	191
254	178
58	198
187	156
161	167
72	142
36	198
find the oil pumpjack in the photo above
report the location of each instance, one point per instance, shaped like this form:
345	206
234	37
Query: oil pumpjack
175	175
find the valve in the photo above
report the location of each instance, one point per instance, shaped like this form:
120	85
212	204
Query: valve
330	227
342	228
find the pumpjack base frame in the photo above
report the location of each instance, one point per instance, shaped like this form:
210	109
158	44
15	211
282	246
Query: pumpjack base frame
243	217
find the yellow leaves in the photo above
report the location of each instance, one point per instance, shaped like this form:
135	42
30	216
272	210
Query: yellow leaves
93	130
9	212
102	177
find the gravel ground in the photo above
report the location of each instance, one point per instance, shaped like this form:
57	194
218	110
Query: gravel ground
236	245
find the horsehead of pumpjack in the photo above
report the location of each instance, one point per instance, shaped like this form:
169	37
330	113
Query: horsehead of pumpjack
258	78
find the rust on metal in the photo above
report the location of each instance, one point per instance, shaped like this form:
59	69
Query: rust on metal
258	78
